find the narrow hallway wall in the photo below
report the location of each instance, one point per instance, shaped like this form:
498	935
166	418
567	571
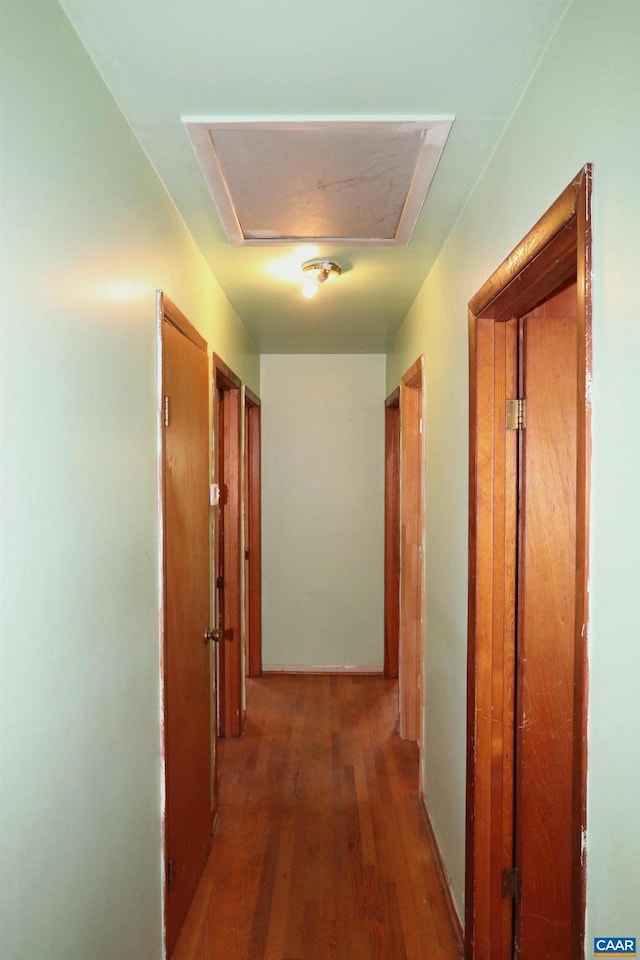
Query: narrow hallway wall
322	510
590	71
88	234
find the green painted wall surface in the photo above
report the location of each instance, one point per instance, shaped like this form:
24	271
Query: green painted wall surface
88	234
582	105
323	509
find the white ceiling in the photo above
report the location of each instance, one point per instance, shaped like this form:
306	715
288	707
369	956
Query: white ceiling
298	60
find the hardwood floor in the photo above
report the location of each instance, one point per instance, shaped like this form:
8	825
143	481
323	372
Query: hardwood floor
320	852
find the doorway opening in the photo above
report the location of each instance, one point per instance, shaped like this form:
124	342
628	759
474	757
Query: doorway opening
530	370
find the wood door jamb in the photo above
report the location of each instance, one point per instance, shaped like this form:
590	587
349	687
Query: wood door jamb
412	713
557	248
392	534
252	399
393	400
253	528
229	649
225	378
167	310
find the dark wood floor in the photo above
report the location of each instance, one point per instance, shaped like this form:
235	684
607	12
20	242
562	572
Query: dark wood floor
320	851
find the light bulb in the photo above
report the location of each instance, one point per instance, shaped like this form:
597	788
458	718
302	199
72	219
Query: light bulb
309	287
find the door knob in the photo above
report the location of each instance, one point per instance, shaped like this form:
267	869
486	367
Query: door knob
213	635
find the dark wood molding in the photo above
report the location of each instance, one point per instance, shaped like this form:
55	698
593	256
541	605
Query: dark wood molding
411	603
413	376
230	680
167	310
254	536
251	398
585	367
392	536
550	227
393	400
557	249
225	378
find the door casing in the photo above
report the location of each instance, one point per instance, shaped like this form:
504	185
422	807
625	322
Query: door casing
557	249
185	649
252	528
391	533
411	632
228	450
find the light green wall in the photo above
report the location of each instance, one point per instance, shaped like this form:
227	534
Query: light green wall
323	509
87	235
582	105
81	213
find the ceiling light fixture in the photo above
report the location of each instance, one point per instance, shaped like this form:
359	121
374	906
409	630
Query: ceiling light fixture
316	273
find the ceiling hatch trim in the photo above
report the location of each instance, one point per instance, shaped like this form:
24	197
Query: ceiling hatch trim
323	181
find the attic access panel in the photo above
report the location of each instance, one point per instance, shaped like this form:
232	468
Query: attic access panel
352	182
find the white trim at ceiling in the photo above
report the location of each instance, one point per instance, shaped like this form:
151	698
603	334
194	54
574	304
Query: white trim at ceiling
432	133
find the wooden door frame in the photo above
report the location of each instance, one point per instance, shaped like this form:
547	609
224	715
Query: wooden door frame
230	679
391	533
555	250
253	533
167	311
411	644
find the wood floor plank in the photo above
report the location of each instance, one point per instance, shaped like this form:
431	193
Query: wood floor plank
321	851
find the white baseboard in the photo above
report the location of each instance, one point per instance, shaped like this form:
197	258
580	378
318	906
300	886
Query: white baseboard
304	668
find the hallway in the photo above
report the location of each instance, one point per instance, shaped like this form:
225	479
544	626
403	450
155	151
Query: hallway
320	851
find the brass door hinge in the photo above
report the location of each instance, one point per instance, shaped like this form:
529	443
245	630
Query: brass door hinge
165	408
170	875
516	414
511	884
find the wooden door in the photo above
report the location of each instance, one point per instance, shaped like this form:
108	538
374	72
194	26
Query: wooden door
546	578
529	432
228	419
411	633
219	552
186	661
252	539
